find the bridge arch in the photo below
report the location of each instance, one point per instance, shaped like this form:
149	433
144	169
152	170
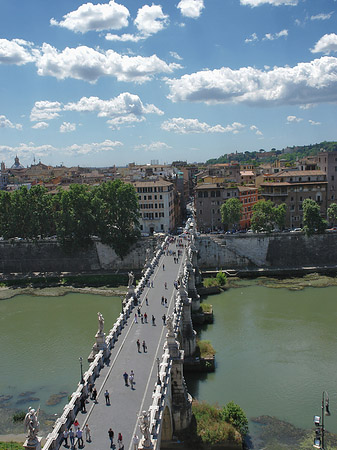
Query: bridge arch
167	429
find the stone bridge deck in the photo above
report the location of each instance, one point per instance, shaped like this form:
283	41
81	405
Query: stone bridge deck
126	404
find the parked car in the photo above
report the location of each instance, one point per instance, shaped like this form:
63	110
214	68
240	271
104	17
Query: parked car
296	230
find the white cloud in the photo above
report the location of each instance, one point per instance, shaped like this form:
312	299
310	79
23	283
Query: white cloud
327	44
45	110
153	147
124	109
310	82
253	38
94	147
254	3
176	56
6	123
27	151
67	127
150	19
85	63
256	130
40	125
15	52
234	128
272	37
312	122
89	17
187	126
322	16
294	119
191	8
125	37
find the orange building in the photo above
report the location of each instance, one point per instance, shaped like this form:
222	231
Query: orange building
248	196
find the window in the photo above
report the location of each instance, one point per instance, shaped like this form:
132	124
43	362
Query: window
205	194
144	197
332	178
212	193
200	212
149	197
228	194
199	194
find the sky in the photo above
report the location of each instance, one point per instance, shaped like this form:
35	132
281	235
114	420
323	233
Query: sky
102	84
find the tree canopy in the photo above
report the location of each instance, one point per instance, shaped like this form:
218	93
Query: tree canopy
266	216
109	211
231	212
313	222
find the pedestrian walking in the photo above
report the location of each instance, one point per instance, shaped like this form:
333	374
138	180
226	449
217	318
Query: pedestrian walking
120	441
153	321
111	437
144	347
79	435
90	388
135	442
165	285
126	378
71	437
65	435
162	300
166	302
76	423
132	380
107	397
82	404
138	345
163	266
138	311
87	433
152	284
164	319
146	302
145	317
142	318
94	395
136	320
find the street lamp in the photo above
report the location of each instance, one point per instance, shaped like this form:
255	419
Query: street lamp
319	422
81	366
158	377
122	300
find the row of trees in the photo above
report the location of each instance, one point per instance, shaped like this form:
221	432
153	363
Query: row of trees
267	216
109	211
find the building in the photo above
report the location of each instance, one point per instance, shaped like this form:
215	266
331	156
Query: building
292	188
157	205
327	162
207	203
248	196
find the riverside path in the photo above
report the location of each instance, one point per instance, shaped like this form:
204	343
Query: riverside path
126	404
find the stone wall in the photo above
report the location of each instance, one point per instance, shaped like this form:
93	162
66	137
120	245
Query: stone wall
279	250
47	256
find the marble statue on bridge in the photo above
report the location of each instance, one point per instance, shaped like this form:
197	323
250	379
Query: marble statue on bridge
144	425
32	425
100	323
131	279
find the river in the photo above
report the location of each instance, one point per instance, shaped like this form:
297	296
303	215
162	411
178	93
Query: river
276	349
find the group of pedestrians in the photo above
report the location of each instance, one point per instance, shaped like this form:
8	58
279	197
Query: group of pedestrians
111	435
130	378
78	434
143	345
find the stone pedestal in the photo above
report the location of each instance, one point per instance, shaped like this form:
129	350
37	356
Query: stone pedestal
33	445
100	344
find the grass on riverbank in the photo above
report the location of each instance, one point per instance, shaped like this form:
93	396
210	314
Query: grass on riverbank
11	446
206	307
205	349
210	427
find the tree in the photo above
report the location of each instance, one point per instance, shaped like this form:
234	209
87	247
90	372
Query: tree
312	219
332	213
266	216
234	414
231	212
116	212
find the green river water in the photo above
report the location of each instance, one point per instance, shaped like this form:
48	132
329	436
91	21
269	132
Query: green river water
276	349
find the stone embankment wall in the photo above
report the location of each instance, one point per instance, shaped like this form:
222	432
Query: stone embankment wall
275	251
47	256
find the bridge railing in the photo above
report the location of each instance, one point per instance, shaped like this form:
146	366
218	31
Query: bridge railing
71	409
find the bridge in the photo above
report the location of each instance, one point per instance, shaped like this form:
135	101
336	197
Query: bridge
158	405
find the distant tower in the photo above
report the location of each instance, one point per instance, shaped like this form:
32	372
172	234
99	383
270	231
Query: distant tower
3	177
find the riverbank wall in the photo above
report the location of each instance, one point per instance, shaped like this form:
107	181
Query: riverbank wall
254	254
258	253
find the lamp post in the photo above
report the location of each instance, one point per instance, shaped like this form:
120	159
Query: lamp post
158	377
319	422
81	366
122	299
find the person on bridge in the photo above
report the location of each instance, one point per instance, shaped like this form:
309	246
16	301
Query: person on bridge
72	437
144	347
87	433
107	397
94	395
164	319
65	437
111	437
135	441
153	320
132	379
165	285
136	320
146	302
163	266
126	378
138	345
145	317
79	435
120	441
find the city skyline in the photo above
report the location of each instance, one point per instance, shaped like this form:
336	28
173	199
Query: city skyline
98	84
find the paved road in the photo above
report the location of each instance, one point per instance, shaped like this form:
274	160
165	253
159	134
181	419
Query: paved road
127	404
